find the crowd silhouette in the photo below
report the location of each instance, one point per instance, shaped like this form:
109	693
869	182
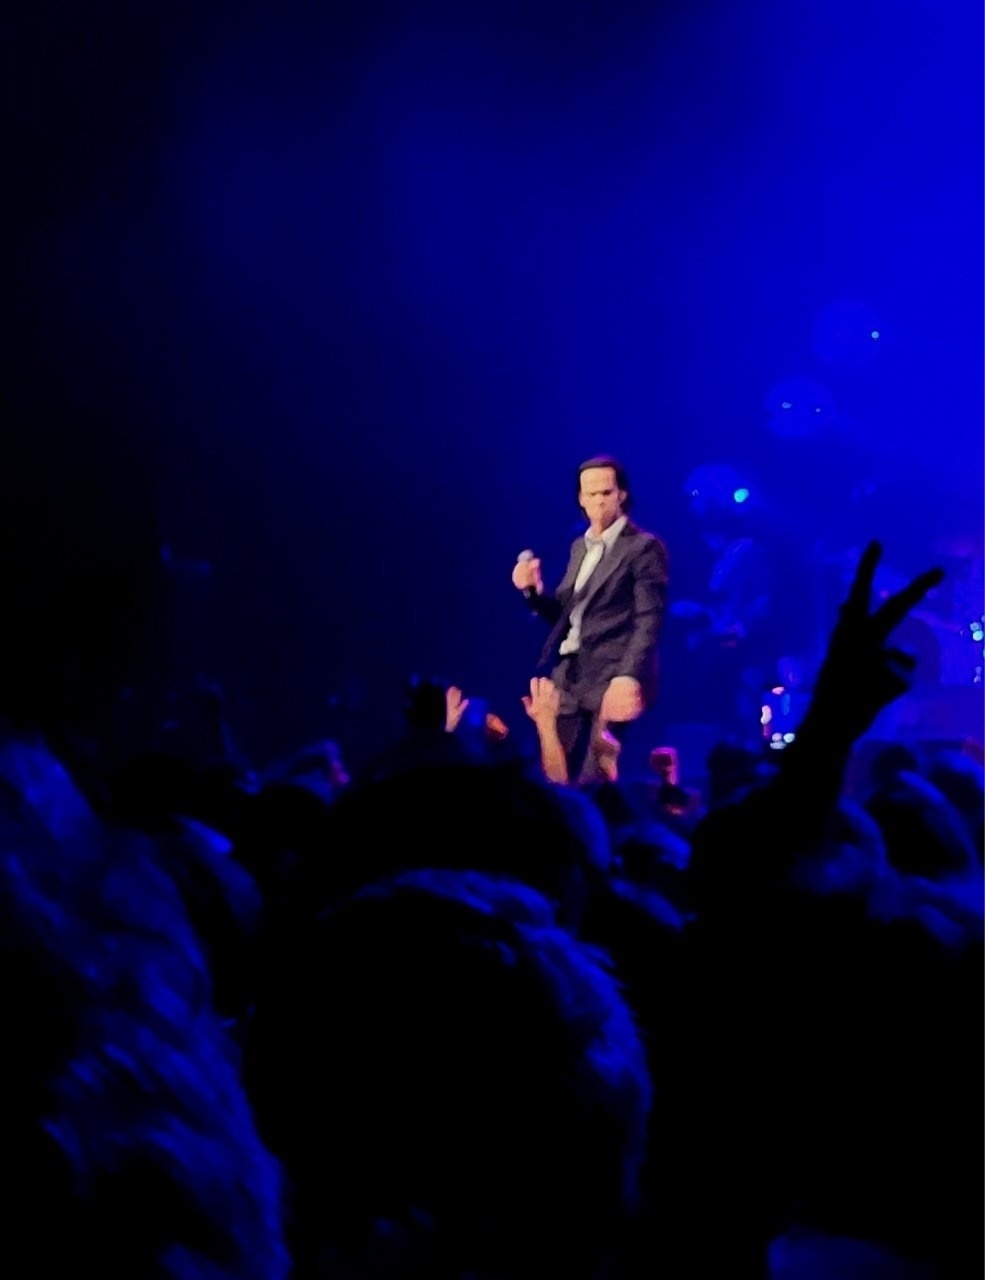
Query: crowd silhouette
458	1017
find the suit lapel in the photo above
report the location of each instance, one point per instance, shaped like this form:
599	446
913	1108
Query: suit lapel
566	586
565	593
614	558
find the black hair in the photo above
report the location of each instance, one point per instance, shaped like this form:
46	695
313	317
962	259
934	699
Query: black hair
622	478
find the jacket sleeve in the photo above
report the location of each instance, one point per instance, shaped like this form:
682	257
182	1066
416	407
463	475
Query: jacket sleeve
547	606
650	579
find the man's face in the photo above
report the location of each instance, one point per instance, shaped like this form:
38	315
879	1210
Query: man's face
599	497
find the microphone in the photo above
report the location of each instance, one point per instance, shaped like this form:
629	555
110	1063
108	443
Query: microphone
529	593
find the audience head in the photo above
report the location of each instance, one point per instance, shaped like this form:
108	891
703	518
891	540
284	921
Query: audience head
489	818
129	1146
441	1066
889	762
961	780
923	832
734	769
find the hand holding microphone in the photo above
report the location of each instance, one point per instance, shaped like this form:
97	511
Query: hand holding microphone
526	575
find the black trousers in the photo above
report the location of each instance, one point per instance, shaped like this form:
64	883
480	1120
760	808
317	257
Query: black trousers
578	721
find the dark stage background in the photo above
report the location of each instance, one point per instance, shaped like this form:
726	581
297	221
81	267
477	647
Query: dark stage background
340	294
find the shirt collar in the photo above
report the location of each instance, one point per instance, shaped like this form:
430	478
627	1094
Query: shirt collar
608	537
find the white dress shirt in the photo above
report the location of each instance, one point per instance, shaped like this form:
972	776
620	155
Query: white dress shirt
596	548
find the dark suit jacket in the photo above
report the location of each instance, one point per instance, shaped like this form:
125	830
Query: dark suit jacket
624	604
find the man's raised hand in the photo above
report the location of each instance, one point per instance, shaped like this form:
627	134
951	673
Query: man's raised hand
861	673
543	703
622	701
455	707
527	576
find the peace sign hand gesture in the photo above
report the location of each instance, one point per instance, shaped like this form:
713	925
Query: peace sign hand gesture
861	673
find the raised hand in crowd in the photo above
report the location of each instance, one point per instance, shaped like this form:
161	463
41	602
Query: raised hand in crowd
543	705
455	708
862	673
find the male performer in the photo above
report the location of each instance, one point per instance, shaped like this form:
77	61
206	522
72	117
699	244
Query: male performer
605	615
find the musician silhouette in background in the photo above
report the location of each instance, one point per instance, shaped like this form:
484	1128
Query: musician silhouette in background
729	633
